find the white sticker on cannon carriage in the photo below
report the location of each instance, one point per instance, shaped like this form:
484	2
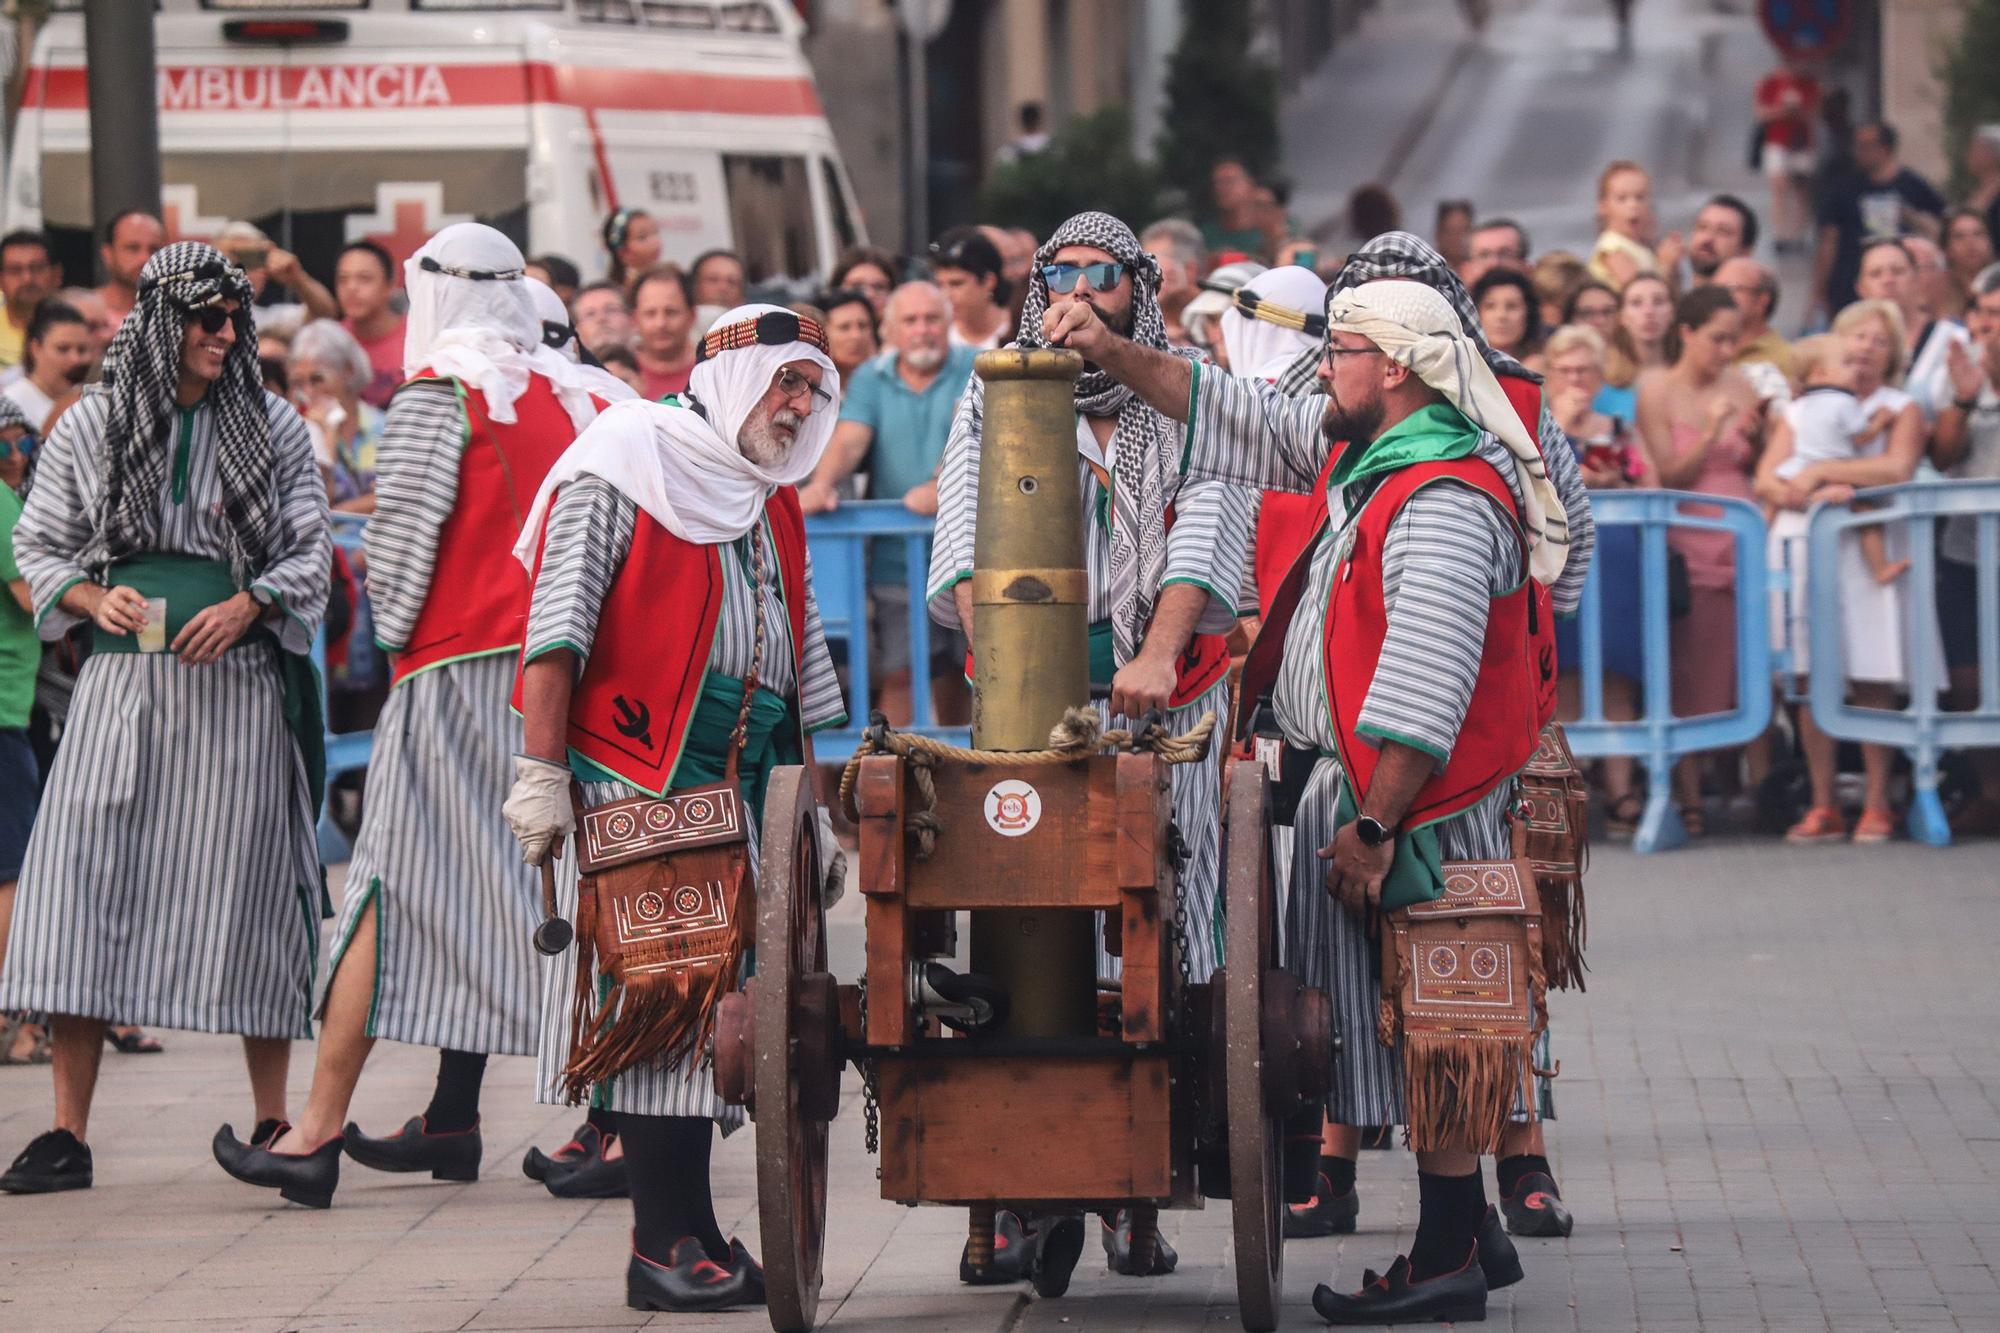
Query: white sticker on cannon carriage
1013	808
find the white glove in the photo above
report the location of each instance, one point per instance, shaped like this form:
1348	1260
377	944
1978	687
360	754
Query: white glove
831	857
538	808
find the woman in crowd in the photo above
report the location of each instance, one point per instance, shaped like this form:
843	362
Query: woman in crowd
1511	314
1968	248
1594	306
1624	247
1700	420
632	239
850	322
57	354
327	372
1638	343
872	272
1873	621
1452	234
1889	273
1610	459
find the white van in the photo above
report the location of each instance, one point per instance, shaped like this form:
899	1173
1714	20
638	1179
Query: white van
332	121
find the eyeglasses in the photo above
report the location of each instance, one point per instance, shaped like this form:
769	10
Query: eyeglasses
1333	351
1102	276
213	317
795	386
773	328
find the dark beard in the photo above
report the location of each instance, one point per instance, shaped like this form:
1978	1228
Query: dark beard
1357	425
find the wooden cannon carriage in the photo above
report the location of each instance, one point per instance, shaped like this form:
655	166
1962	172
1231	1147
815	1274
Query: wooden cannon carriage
1155	1092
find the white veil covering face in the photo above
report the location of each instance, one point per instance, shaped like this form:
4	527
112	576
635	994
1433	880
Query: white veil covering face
573	381
680	461
482	330
1259	348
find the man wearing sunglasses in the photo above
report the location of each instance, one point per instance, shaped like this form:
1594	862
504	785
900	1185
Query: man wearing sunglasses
1166	562
173	878
433	944
672	620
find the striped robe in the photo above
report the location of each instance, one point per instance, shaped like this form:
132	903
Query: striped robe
455	906
1208	547
1447	553
173	876
590	529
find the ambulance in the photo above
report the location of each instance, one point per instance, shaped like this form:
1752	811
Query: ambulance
333	121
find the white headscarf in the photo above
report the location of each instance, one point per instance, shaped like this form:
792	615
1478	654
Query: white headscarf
1259	348
1419	329
482	330
573	381
680	462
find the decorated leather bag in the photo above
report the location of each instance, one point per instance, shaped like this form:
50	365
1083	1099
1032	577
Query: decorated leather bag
1555	810
1464	990
665	910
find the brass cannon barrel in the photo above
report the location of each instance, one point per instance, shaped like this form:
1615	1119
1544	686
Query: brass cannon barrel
1031	655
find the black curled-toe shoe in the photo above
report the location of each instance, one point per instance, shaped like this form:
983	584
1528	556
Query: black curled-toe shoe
688	1282
1013	1254
591	1177
1535	1208
449	1156
1392	1298
267	1130
51	1163
1498	1259
1058	1246
309	1180
1325	1214
740	1261
587	1142
1117	1238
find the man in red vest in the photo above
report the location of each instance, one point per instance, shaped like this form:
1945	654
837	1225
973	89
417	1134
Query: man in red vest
1407	652
434	945
1166	561
673	597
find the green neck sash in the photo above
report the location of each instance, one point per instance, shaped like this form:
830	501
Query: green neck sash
1433	434
770	739
190	585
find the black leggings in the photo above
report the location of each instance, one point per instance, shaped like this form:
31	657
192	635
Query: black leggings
666	1160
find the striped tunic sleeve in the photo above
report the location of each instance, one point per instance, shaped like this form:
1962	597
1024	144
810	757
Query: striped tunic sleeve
300	574
416	485
1449	551
54	524
1208	547
1560	457
1244	431
958	504
590	530
821	704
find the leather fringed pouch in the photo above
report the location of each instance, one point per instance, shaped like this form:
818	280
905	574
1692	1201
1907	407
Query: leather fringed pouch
1555	808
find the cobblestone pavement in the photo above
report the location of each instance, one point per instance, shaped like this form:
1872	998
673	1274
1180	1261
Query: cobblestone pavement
1777	1101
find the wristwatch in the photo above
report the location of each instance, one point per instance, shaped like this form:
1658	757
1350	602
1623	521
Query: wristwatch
261	596
1372	831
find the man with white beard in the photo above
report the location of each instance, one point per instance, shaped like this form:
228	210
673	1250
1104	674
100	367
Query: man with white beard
894	421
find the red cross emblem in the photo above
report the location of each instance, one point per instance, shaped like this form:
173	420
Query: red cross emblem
407	213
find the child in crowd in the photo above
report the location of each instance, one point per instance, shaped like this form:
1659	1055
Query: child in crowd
1828	425
1624	247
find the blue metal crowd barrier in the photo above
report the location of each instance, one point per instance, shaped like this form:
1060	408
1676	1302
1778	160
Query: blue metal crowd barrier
1922	727
1656	737
839	542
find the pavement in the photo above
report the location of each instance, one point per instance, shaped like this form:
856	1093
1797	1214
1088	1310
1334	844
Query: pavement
1778	1111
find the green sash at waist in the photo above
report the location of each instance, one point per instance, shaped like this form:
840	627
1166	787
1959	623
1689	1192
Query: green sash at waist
1417	873
1103	654
770	739
191	585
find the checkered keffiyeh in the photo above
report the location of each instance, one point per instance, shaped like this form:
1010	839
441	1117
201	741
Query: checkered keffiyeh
141	373
1145	446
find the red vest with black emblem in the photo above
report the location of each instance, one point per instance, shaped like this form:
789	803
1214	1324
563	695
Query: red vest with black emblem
1514	693
477	603
629	714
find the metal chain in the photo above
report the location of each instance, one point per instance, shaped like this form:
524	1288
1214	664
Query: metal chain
871	1109
1177	847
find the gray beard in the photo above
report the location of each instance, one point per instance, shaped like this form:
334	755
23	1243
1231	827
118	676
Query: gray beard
925	360
758	440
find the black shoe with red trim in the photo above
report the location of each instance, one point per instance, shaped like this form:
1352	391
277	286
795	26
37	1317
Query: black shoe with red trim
741	1262
1325	1214
1392	1298
1013	1253
689	1281
1117	1238
450	1156
586	1143
1535	1208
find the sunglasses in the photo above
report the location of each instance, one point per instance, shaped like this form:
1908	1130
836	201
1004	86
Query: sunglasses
773	328
26	446
1102	276
794	386
213	317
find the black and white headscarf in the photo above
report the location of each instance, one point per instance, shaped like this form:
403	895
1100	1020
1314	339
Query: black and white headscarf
1145	446
141	373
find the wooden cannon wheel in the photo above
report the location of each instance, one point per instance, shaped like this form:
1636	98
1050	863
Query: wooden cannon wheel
1256	1136
795	1080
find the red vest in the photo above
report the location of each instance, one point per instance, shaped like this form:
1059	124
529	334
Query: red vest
1286	524
1514	694
629	713
477	603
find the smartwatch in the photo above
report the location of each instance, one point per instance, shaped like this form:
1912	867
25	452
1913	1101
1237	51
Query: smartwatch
1372	831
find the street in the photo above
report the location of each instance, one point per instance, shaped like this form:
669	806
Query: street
1777	1111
